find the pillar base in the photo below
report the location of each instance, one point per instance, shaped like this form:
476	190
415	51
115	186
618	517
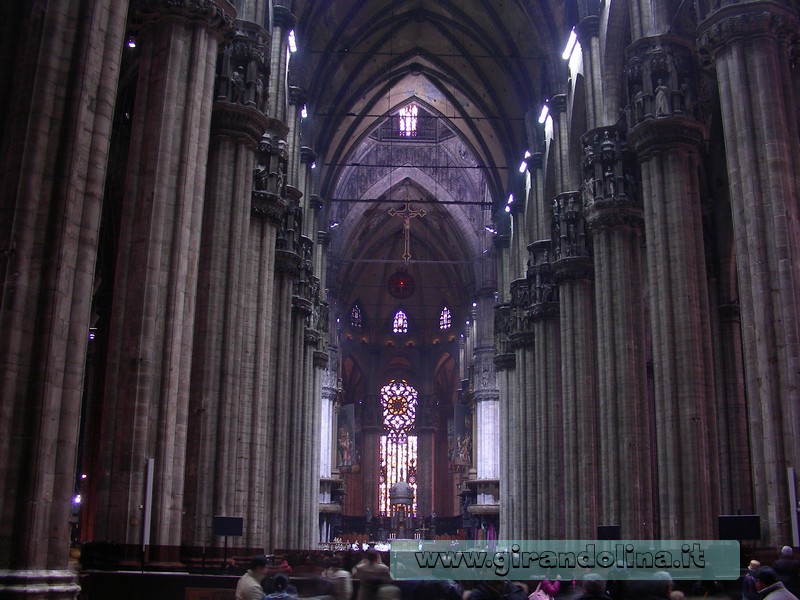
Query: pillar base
38	583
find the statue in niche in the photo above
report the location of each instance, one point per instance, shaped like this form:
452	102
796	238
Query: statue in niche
237	86
638	103
662	100
611	187
687	99
258	93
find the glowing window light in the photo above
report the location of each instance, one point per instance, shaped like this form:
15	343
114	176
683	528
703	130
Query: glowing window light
445	319
408	120
400	322
570	47
398	448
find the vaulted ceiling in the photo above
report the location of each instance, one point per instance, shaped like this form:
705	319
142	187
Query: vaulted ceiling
480	66
490	59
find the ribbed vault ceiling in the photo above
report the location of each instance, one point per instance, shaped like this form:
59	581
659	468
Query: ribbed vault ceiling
482	67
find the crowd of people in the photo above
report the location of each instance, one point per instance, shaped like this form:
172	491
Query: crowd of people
778	581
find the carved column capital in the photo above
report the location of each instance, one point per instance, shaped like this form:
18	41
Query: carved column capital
610	188
541	282
744	22
287	262
297	95
282	17
307	155
557	104
503	328
573	268
216	15
238	121
660	134
662	79
501	240
505	362
267	206
243	68
323	238
316	202
587	29
569	230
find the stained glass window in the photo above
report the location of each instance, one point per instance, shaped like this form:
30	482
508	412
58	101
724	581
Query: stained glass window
445	319
355	317
400	322
408	121
398	452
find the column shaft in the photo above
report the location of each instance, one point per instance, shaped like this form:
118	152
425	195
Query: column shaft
758	116
52	175
147	382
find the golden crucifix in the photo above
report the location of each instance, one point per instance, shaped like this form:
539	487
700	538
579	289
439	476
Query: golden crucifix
406	214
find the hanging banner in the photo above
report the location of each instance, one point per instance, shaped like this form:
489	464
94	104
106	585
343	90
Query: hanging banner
347	442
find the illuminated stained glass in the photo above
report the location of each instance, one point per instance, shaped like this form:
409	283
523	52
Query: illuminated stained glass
400	322
408	121
355	317
398	448
445	319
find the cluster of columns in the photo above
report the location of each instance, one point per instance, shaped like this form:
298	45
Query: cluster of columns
637	364
217	281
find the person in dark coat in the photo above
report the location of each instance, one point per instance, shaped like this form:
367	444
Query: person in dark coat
498	590
770	587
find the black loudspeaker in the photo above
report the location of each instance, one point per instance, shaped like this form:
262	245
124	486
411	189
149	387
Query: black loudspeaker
608	532
739	527
230	526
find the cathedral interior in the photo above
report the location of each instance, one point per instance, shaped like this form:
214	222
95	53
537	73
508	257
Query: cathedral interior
352	271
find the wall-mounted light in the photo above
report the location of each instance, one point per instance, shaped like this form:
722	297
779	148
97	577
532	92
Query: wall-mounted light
304	112
314	165
292	41
131	42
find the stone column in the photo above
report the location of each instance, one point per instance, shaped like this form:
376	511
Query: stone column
747	44
283	22
424	430
151	332
286	343
267	213
52	175
372	429
485	390
542	395
218	474
574	271
614	214
524	513
668	144
504	363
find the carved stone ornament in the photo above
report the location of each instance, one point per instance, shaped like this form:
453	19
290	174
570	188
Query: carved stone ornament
267	206
238	121
610	189
569	230
662	79
243	70
217	15
282	17
745	22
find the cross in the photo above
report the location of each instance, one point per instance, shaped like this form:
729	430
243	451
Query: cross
406	214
